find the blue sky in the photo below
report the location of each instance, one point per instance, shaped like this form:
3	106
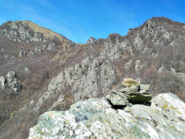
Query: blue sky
80	19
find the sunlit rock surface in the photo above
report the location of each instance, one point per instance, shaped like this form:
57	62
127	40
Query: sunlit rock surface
62	72
95	118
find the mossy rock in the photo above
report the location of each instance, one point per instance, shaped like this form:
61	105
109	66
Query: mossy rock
139	98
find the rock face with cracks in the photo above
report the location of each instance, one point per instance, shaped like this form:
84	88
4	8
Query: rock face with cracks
100	118
95	118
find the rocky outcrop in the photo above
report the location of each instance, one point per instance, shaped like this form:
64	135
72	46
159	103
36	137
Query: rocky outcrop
91	40
132	92
61	76
27	31
20	32
96	118
10	81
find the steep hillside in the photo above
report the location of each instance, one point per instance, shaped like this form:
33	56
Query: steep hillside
27	62
26	31
51	74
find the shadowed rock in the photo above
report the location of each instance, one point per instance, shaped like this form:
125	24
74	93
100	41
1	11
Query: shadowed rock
134	93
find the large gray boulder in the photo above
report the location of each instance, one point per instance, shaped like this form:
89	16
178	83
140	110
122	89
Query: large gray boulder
95	118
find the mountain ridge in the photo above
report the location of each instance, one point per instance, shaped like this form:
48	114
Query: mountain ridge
53	78
48	33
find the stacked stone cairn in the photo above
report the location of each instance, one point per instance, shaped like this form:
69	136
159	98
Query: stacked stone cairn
131	92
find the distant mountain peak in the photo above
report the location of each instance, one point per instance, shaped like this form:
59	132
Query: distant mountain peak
27	31
46	32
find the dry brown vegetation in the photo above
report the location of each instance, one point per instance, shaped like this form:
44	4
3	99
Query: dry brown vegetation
46	32
45	66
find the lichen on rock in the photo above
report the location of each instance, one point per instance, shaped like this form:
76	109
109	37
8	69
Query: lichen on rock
96	118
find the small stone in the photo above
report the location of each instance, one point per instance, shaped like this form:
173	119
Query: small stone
128	82
26	70
122	90
129	89
161	69
117	100
22	53
173	70
144	88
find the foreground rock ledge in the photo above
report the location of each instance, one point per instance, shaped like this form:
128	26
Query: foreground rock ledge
95	118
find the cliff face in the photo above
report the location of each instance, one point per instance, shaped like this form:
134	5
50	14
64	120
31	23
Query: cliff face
54	72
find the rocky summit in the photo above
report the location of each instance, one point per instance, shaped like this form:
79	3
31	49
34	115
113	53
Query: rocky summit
115	117
41	70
